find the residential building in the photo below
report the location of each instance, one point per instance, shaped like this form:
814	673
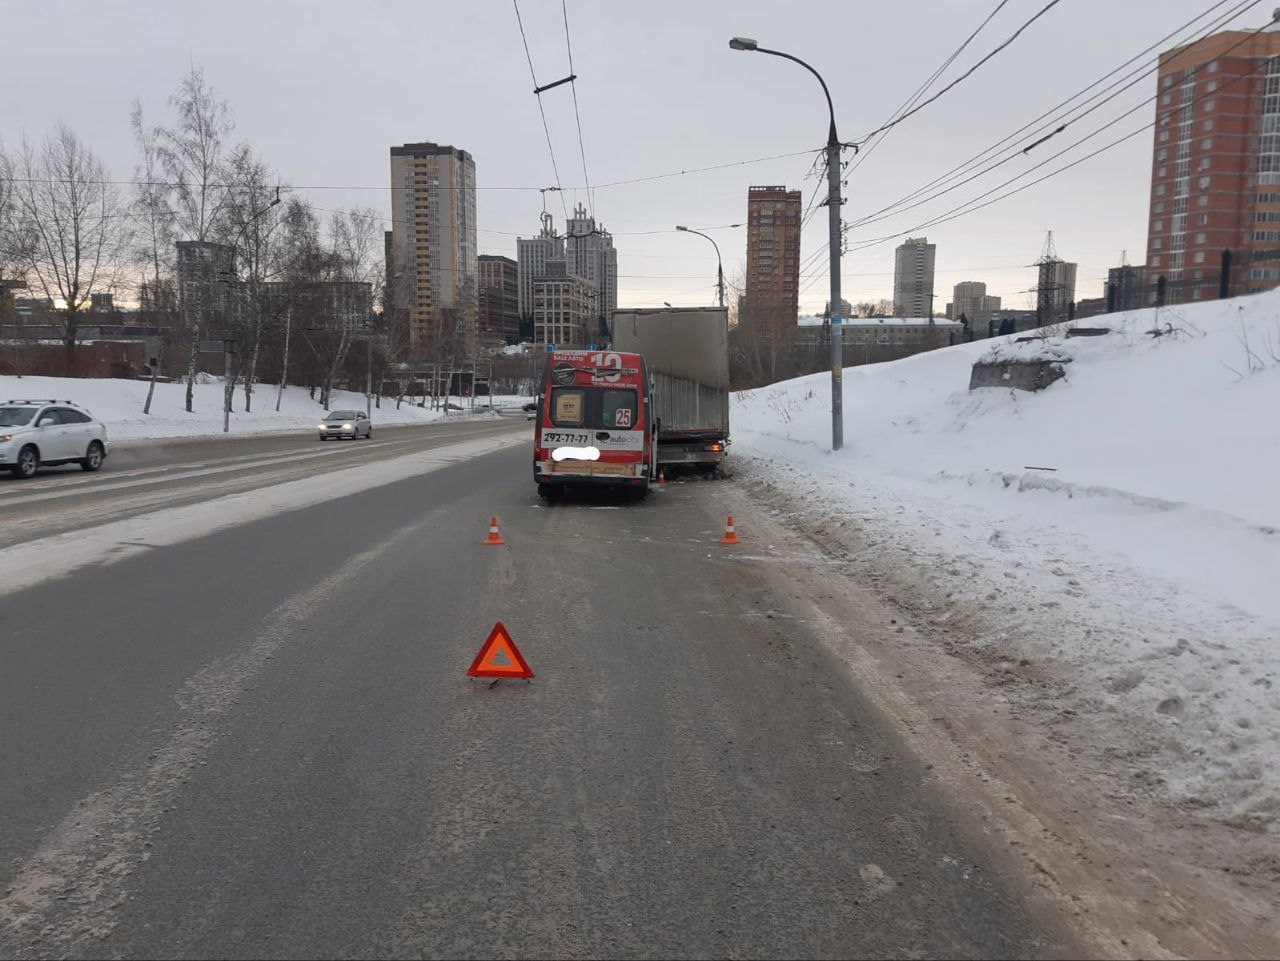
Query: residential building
970	300
589	253
1090	307
564	308
773	251
1124	287
872	340
1215	165
207	294
8	309
1055	290
433	243
1005	321
338	305
913	278
532	256
498	312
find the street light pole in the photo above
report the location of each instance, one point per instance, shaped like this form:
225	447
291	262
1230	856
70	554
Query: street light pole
834	202
719	262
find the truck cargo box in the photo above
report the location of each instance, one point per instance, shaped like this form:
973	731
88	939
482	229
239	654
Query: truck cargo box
687	353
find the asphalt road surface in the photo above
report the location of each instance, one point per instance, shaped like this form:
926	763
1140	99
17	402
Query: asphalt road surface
260	742
140	477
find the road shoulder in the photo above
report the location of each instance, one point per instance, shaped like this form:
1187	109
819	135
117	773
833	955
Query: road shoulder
1134	876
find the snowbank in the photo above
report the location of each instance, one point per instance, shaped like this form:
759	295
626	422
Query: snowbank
1121	524
118	403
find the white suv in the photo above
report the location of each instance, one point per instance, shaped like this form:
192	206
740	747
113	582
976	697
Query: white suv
49	432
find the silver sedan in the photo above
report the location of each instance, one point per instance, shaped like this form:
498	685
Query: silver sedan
345	423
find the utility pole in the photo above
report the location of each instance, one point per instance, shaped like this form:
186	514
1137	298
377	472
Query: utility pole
368	374
837	330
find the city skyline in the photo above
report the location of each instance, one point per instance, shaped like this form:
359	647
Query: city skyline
1097	210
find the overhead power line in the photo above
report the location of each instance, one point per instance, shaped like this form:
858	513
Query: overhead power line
698	170
541	110
920	91
973	205
573	85
616	183
952	176
964	76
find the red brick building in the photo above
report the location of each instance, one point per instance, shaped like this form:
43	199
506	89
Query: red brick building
1215	183
773	248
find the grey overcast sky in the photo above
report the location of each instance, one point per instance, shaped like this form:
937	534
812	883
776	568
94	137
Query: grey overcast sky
323	88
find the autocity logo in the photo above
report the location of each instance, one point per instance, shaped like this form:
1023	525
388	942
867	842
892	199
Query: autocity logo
564	373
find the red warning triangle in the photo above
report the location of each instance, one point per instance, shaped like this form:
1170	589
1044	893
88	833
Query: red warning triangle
499	657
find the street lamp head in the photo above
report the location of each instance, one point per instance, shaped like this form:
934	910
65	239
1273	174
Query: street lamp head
681	227
742	43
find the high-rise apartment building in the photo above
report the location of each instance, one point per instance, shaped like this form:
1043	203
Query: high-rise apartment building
564	308
207	294
773	252
970	299
1215	165
1124	287
589	253
567	285
433	244
1055	290
532	256
913	278
498	313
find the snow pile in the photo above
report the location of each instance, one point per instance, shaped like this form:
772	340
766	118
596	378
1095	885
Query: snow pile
118	404
1120	525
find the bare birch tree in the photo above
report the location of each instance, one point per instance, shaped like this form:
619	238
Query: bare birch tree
299	253
10	242
70	226
394	327
153	234
356	243
191	152
252	224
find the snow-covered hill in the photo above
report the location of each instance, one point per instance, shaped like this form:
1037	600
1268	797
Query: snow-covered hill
119	404
1123	524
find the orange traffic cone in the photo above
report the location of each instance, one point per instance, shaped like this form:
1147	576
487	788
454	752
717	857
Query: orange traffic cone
494	537
662	477
730	535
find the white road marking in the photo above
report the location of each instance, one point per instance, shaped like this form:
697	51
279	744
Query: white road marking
41	560
71	887
119	480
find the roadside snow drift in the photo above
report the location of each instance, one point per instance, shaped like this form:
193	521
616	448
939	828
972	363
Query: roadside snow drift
1121	523
118	403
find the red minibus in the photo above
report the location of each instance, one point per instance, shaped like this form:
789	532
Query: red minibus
594	423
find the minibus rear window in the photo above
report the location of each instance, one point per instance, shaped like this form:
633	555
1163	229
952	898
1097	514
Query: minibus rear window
595	408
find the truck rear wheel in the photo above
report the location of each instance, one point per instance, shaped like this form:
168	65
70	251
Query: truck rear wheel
550	492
